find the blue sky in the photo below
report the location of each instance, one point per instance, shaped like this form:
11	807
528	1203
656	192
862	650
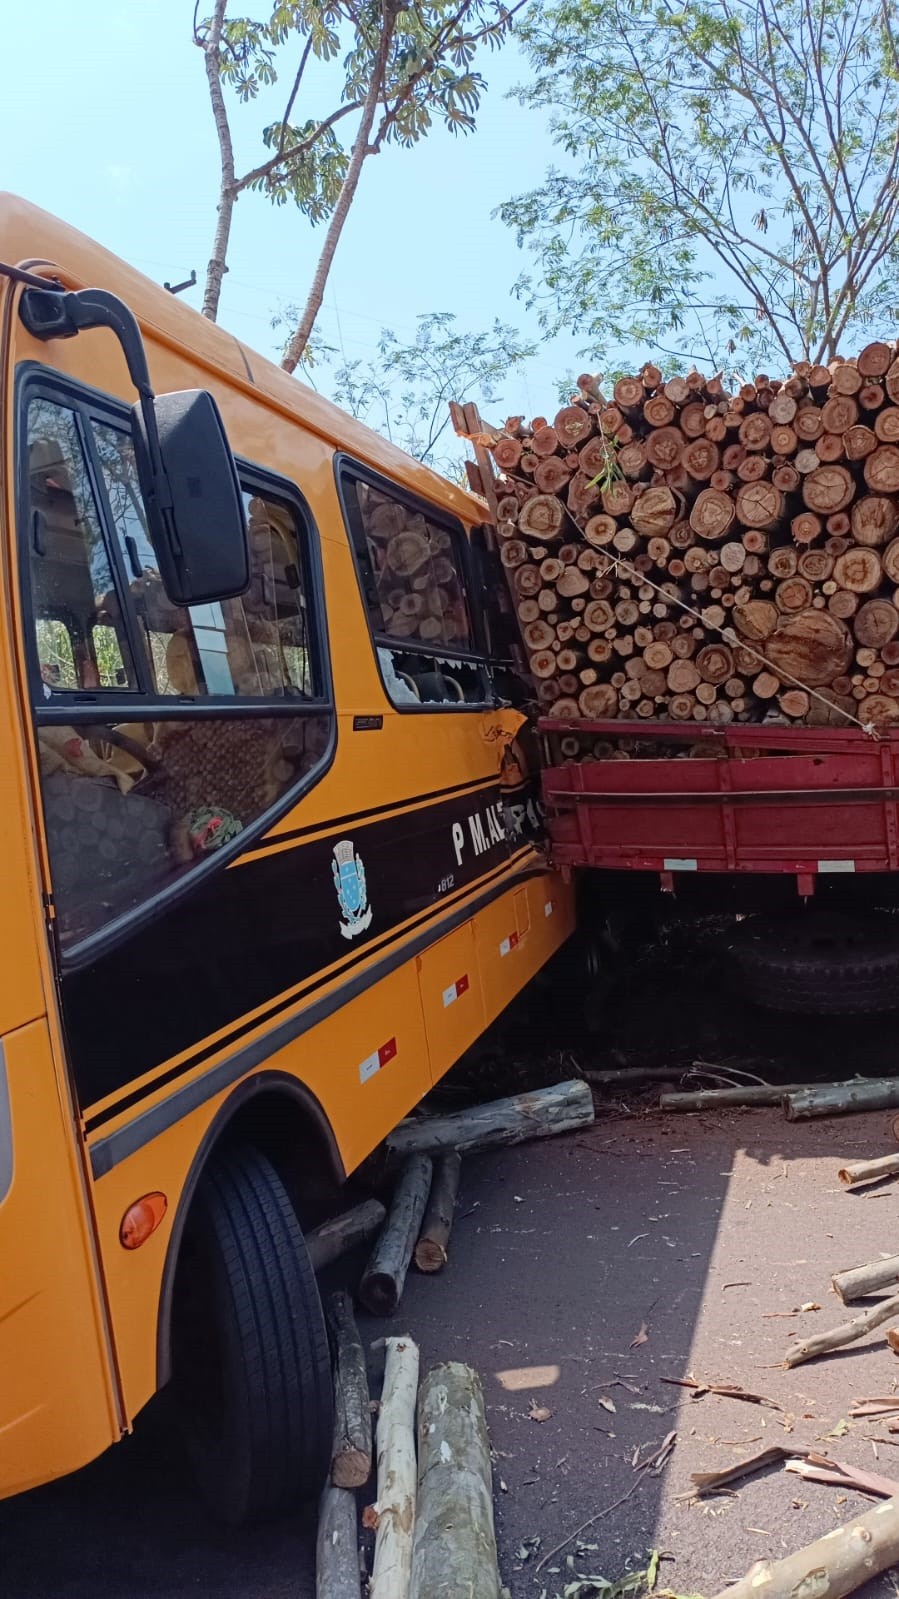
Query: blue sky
106	122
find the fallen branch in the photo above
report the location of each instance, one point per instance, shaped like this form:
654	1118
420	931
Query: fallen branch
333	1238
839	1099
720	1098
384	1277
862	1280
848	1332
431	1249
454	1550
835	1565
723	1389
591	1520
351	1451
546	1111
394	1510
868	1171
337	1574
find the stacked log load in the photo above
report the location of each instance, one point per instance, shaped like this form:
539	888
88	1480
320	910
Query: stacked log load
678	552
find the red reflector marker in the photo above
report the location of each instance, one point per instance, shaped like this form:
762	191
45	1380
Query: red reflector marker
141	1219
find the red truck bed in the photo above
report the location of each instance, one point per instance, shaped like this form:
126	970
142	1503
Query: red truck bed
767	799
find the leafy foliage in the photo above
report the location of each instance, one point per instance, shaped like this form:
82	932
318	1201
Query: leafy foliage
730	187
404	392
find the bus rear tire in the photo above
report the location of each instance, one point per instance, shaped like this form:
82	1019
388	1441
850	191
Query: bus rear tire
251	1367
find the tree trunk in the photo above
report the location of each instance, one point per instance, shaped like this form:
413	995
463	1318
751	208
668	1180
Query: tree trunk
848	1332
540	1114
455	1546
334	1238
395	1505
217	267
720	1098
840	1099
837	1564
431	1249
351	1452
337	1574
868	1171
382	1282
862	1280
293	355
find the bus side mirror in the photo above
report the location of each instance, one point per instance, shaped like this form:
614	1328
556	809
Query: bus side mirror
191	493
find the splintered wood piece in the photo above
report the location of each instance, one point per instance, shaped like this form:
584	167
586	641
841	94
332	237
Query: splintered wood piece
881	469
759	505
829	488
794	594
655	511
875	359
873	519
700	458
543	517
858	442
839	413
816	565
756	620
876	623
552	475
795	703
598	702
783	561
813	647
574	425
859	570
715	663
713	513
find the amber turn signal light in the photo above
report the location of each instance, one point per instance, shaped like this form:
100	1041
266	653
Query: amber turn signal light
141	1219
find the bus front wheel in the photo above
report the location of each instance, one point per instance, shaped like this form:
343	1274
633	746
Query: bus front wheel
252	1375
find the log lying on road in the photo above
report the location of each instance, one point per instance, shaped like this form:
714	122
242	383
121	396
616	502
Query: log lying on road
835	1565
868	1171
431	1249
454	1552
838	1099
546	1111
333	1238
720	1098
847	1333
337	1574
384	1277
862	1280
395	1505
351	1451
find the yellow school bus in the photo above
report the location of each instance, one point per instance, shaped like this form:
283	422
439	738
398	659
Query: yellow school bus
260	887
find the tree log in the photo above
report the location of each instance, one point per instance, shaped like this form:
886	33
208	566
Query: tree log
848	1332
395	1505
541	1114
334	1238
814	647
351	1450
829	488
760	505
841	1099
543	517
384	1277
862	1280
837	1564
882	470
859	570
654	512
876	623
574	425
868	1171
714	1098
337	1574
873	520
756	620
454	1551
431	1249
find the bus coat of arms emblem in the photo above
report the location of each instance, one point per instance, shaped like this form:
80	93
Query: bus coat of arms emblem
352	896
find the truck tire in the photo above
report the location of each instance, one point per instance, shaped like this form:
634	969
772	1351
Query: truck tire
823	964
252	1373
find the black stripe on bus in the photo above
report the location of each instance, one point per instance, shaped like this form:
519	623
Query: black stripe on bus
272	840
110	1112
110	1151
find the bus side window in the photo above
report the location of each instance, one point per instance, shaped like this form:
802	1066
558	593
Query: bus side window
413	582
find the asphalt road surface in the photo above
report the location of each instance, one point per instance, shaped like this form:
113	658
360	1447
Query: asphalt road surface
584	1271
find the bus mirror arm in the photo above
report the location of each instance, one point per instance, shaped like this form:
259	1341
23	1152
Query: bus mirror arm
187	473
